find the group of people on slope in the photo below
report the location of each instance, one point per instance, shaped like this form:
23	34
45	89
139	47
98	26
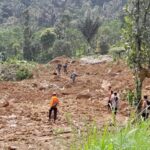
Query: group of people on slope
60	66
54	99
113	101
113	104
65	69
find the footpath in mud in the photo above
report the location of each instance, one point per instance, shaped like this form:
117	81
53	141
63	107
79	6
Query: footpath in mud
24	105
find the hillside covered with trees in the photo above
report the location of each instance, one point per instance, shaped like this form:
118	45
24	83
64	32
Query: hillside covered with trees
40	30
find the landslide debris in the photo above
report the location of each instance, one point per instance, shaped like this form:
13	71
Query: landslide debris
24	122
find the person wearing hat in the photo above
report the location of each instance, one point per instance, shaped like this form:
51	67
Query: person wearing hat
53	106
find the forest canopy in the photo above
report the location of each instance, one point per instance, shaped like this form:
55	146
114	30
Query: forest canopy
32	29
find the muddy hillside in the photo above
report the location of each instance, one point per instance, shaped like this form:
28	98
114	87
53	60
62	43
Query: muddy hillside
24	105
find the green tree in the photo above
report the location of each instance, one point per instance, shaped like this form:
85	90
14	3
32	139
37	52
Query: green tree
9	37
62	47
102	47
27	51
89	24
16	47
110	31
78	42
47	38
136	33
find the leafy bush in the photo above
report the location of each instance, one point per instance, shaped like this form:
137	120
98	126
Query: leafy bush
14	69
23	73
132	137
117	52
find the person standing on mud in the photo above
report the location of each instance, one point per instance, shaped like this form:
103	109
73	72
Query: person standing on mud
145	107
115	103
73	76
53	106
58	69
110	93
65	68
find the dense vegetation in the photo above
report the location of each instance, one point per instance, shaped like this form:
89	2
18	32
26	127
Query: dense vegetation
40	30
14	69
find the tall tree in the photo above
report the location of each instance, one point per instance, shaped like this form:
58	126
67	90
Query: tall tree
89	25
136	34
27	51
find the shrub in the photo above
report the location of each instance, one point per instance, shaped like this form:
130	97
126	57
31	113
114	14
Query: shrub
23	73
117	52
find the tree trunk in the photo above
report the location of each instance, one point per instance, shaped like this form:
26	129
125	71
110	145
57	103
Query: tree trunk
141	74
138	91
138	80
27	52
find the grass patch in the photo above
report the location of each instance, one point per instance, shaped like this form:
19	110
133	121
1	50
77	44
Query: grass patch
132	137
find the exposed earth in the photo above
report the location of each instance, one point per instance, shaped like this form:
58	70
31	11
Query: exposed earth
24	105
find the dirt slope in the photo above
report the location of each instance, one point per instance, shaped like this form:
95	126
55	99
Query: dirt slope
24	122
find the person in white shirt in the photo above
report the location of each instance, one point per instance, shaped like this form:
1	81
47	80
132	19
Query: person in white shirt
114	102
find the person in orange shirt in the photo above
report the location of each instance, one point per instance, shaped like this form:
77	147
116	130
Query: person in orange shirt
53	106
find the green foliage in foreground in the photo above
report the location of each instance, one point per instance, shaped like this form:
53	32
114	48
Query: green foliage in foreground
132	137
117	52
23	73
24	70
14	69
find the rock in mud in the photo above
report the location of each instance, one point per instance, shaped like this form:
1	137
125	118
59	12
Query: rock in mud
44	86
4	103
65	93
147	87
84	95
12	148
34	85
54	73
67	86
